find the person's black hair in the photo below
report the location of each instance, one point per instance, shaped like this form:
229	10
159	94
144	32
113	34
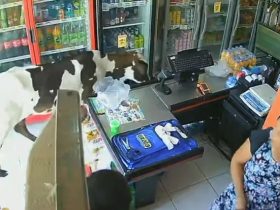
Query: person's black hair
108	190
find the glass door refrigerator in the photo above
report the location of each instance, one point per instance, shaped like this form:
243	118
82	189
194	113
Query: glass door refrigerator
245	20
181	28
216	22
124	25
61	28
15	47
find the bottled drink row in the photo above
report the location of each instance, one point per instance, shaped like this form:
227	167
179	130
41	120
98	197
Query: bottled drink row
59	10
60	56
117	16
179	40
181	16
8	1
61	36
272	16
12	16
14	43
134	39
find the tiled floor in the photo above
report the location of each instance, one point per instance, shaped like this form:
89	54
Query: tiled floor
193	185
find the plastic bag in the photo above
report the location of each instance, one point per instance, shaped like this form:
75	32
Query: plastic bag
111	92
220	69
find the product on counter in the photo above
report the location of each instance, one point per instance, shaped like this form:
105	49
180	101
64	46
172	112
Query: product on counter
238	57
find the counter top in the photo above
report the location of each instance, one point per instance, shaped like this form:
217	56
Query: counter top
188	92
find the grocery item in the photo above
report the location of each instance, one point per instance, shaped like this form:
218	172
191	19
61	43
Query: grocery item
76	5
3	19
50	41
65	38
24	43
70	10
41	39
8	45
57	37
238	57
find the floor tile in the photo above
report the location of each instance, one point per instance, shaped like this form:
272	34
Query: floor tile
212	163
219	183
162	202
181	176
196	197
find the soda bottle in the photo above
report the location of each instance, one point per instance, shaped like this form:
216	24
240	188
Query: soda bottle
74	35
24	43
136	39
2	49
16	43
8	45
141	41
10	17
50	43
76	5
3	19
57	37
41	39
65	35
69	10
16	17
82	8
82	33
22	20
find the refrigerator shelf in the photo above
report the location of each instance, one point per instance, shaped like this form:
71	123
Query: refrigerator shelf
245	26
13	28
42	1
248	7
207	44
7	60
123	25
181	27
8	5
180	4
54	22
213	15
116	50
50	52
108	6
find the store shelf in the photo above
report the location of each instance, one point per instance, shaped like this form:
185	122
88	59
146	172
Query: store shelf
181	27
54	22
207	44
123	25
212	30
13	28
108	6
7	60
42	1
8	5
182	4
213	15
245	26
136	49
50	52
248	7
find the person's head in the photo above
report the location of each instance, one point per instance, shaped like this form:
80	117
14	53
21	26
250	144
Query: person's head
108	190
276	131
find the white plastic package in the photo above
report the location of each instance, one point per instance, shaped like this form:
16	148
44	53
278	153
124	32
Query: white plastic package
220	69
111	92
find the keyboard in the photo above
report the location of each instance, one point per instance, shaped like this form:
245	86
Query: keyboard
189	60
256	104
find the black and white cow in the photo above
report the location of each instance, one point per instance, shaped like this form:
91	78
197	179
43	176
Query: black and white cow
29	90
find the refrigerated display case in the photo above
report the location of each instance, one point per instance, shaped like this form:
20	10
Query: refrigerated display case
244	24
124	25
61	28
215	26
14	46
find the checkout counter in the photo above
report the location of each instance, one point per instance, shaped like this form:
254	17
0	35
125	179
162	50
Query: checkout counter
55	165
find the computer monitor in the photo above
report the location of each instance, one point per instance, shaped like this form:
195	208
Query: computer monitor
56	175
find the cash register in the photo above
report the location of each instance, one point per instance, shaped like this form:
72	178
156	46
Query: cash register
186	67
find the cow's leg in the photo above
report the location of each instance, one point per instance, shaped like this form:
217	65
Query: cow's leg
22	129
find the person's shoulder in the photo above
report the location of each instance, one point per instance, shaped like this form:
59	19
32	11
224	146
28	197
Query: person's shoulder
258	138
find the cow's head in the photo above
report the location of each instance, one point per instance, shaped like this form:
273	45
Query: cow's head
46	87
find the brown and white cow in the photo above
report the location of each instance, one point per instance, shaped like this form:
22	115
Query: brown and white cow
29	90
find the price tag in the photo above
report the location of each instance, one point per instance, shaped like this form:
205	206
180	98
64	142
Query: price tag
122	41
217	7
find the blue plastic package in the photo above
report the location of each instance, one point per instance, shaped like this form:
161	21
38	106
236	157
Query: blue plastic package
143	147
